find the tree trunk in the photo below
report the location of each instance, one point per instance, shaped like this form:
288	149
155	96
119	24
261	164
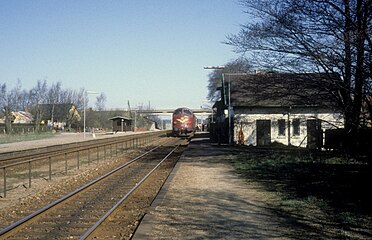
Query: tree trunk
359	79
8	120
38	119
346	88
359	70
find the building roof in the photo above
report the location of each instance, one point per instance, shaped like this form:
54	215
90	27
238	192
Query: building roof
282	90
22	116
60	111
19	117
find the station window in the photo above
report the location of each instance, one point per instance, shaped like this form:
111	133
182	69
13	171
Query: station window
281	127
296	127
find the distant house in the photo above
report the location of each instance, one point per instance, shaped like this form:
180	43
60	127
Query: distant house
58	116
290	109
20	117
19	122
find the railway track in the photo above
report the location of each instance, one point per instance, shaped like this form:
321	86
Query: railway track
21	168
80	213
7	158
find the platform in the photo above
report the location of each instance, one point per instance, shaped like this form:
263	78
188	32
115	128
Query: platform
204	198
61	138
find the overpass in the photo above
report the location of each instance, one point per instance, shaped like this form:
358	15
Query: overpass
202	113
166	114
198	111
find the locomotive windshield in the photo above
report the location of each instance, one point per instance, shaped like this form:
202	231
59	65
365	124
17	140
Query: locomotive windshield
183	110
187	111
178	111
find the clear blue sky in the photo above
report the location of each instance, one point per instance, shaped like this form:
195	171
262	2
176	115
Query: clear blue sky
137	50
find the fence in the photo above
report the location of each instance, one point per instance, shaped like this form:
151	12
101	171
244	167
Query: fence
22	173
23	128
357	144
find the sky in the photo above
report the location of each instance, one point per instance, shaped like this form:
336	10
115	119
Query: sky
147	52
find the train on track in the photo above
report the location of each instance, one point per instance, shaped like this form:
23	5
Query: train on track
184	122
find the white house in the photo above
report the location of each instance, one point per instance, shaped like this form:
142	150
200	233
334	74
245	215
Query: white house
285	108
20	117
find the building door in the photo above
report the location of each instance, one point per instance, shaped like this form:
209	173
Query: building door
314	134
263	135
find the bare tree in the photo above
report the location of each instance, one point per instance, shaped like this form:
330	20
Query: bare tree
240	65
5	107
100	106
54	97
17	99
25	101
100	102
9	103
37	96
30	100
15	96
78	98
329	36
2	95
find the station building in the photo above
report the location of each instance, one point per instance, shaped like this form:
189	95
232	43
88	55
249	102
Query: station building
283	108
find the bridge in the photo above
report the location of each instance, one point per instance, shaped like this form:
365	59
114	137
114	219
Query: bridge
201	113
167	112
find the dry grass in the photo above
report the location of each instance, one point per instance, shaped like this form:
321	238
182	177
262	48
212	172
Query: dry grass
332	195
9	138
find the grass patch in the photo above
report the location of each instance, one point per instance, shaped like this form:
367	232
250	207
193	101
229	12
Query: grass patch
9	138
332	192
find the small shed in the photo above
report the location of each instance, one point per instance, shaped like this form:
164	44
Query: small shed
121	124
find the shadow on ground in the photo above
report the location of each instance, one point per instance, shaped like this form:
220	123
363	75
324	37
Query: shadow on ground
317	200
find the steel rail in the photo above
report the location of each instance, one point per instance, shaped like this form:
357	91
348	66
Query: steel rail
41	210
134	141
95	226
71	147
58	153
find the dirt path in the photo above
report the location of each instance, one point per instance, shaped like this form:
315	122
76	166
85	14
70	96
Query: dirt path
206	199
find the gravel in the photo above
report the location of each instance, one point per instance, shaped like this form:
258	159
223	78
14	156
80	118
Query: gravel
22	201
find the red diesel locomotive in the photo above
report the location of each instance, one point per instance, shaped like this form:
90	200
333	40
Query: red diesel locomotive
183	122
